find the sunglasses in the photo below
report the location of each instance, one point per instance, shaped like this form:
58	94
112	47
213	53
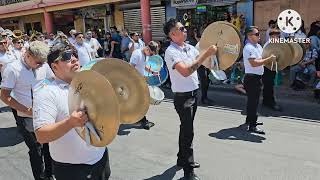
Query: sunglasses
66	56
19	42
2	43
256	34
182	29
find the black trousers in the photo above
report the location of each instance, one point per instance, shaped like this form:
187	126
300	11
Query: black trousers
203	73
186	107
268	87
252	85
98	171
35	148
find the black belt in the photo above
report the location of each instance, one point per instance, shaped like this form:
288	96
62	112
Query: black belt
190	93
253	75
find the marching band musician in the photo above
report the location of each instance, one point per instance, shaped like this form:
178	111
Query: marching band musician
16	91
18	49
138	60
253	65
53	124
183	60
268	78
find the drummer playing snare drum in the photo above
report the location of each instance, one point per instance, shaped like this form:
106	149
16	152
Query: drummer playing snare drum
138	60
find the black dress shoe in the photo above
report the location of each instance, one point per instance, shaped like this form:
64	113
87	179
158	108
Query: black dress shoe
244	126
256	130
191	176
147	125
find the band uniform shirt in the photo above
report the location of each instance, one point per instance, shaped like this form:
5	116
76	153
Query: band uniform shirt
139	59
84	53
139	45
17	54
94	45
5	58
20	79
253	51
72	40
175	54
51	106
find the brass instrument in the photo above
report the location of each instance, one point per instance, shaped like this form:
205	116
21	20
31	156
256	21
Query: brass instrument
17	34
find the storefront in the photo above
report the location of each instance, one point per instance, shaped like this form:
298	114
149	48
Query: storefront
49	15
34	22
63	20
10	23
198	13
94	18
132	18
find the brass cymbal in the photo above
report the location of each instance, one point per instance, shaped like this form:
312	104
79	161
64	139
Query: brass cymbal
226	38
297	53
283	53
95	92
130	87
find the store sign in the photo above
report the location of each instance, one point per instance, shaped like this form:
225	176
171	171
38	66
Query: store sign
93	12
7	2
201	8
179	3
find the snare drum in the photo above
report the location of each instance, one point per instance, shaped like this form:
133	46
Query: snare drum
156	95
155	64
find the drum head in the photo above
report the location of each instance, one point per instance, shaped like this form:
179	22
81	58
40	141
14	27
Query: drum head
156	95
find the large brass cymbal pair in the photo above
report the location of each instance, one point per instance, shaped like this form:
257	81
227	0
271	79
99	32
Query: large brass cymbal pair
287	54
113	93
228	41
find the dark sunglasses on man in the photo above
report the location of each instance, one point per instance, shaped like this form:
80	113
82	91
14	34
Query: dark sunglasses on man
256	34
65	56
182	29
2	43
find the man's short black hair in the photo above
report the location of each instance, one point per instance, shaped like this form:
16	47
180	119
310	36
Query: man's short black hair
272	22
169	25
250	29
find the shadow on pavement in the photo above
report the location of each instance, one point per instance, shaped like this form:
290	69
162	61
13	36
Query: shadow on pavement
10	137
123	129
237	133
166	175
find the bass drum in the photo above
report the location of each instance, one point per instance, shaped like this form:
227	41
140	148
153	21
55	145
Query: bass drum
156	95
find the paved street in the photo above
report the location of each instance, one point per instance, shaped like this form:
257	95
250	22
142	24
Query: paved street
289	150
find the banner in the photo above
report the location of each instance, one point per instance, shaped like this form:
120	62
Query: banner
179	3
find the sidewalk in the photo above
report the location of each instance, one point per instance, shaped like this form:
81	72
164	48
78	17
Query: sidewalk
281	92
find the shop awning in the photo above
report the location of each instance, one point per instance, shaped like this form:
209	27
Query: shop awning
40	6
